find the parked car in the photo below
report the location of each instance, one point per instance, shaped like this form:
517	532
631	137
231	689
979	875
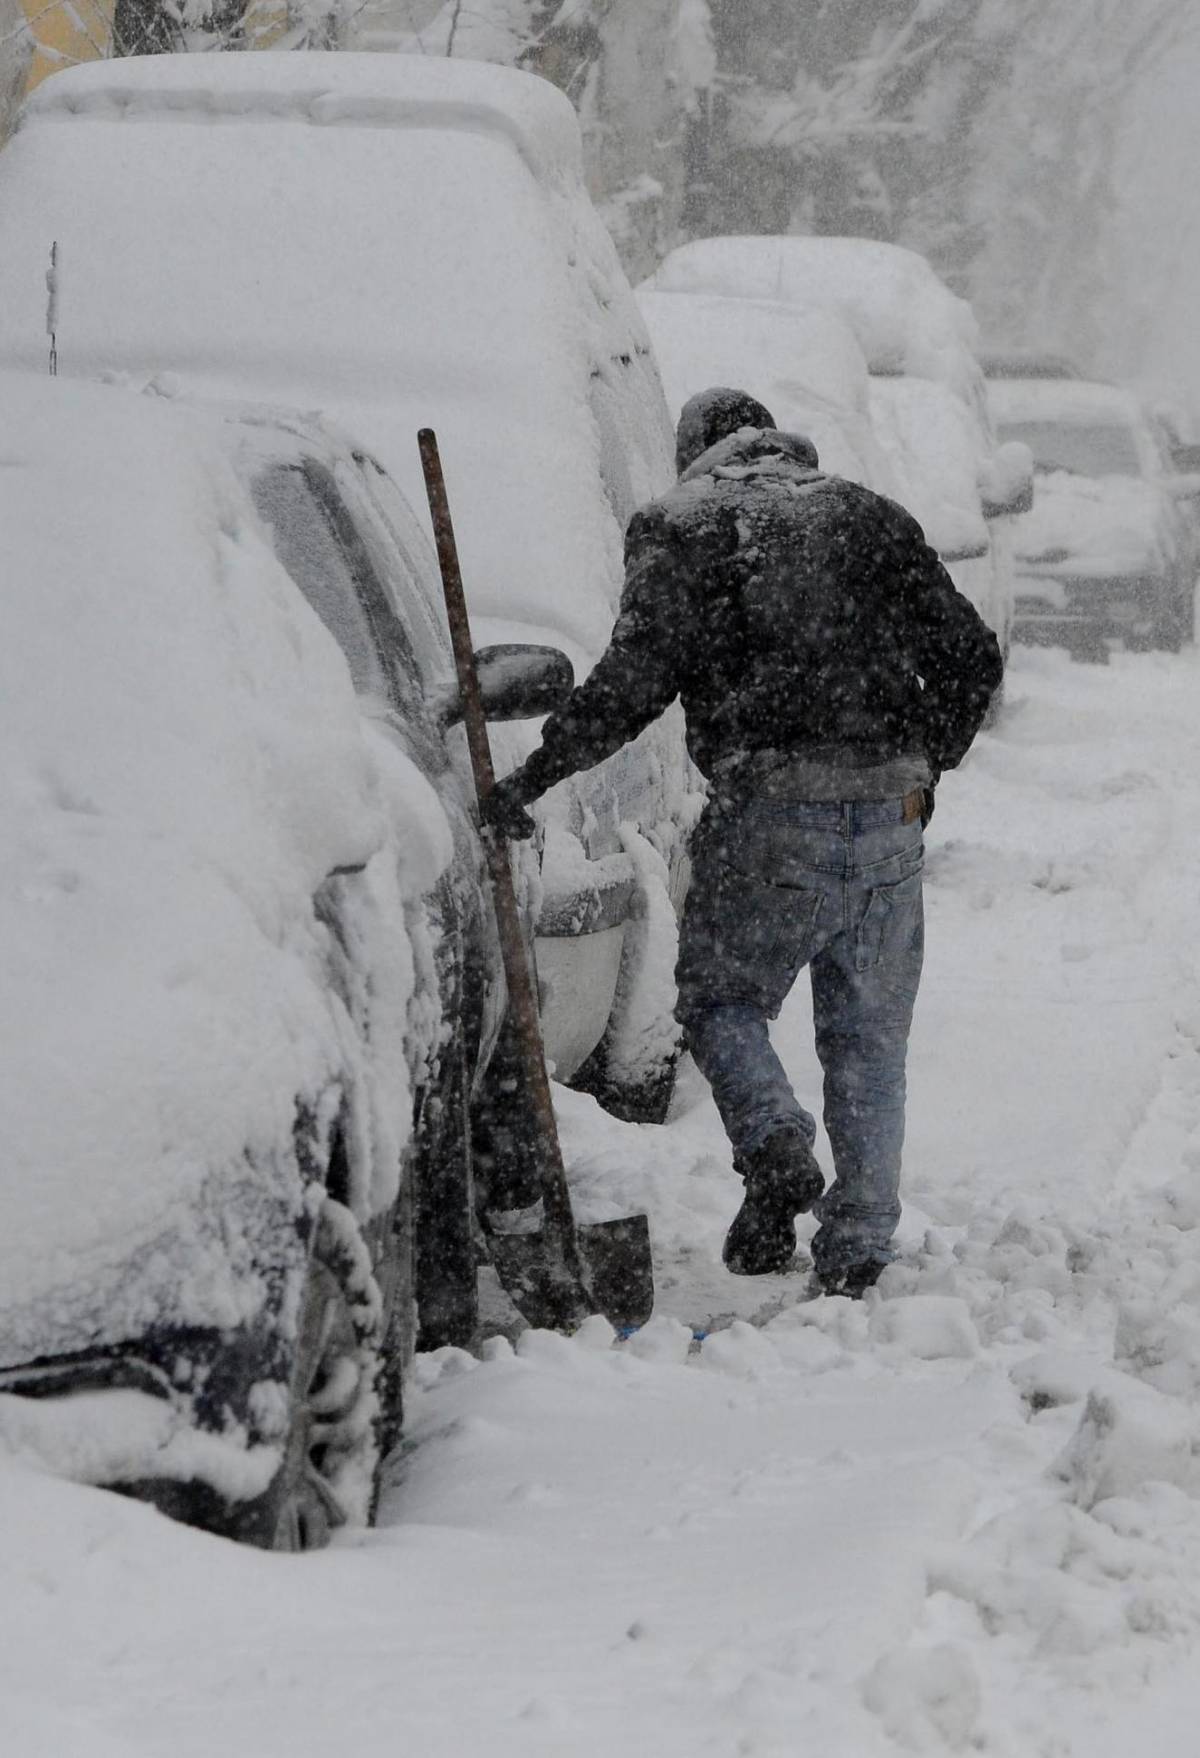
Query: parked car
1108	551
251	978
408	243
926	399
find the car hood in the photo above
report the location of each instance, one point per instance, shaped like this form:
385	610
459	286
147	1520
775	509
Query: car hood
1095	525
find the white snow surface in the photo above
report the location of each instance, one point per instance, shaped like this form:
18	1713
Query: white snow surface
905	317
963	1516
183	761
398	241
802	361
1108	525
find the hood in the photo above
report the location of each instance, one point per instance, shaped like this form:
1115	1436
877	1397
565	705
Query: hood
757	451
1095	525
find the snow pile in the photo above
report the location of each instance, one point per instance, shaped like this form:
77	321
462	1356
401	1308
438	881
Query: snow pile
183	766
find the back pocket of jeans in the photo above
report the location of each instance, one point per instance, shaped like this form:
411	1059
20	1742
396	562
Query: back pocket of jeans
890	929
745	942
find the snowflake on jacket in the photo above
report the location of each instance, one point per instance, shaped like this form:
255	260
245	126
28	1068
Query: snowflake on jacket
792	612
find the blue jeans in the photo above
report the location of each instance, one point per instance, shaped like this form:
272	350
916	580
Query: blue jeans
777	885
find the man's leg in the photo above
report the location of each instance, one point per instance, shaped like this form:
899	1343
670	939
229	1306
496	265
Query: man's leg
864	987
742	943
731	1046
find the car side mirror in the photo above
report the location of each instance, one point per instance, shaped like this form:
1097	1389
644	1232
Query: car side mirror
1184	487
517	681
1006	485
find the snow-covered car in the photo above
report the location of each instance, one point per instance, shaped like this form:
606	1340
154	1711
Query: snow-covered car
803	362
400	242
926	400
1107	550
251	980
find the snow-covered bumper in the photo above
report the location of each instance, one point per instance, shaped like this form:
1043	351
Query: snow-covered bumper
1072	610
201	1410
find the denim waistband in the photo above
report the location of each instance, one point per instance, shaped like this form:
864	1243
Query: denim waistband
846	816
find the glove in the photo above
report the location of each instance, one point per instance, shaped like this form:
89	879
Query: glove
504	811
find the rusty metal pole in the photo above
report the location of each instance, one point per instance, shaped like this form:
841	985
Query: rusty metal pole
565	1292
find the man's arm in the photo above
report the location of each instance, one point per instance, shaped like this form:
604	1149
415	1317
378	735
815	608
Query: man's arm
632	682
955	653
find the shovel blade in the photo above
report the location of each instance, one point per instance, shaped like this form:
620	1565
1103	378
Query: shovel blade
618	1281
548	1293
620	1268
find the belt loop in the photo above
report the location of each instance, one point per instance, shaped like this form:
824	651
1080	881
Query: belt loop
910	806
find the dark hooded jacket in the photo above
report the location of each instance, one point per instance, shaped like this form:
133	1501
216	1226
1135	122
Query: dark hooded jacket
796	615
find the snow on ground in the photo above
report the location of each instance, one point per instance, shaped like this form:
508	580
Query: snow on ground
961	1516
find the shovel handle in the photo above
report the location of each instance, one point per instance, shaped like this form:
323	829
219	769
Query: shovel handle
559	1224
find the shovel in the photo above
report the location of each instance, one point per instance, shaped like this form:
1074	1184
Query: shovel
560	1274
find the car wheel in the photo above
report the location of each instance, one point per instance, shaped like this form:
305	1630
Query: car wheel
325	1394
331	1449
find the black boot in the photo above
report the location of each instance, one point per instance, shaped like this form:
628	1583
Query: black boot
782	1181
851	1280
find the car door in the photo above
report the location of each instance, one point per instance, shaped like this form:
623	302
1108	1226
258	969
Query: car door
358	585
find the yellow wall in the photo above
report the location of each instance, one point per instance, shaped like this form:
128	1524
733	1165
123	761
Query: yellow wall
66	31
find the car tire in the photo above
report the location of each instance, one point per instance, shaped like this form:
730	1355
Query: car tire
305	1506
331	1444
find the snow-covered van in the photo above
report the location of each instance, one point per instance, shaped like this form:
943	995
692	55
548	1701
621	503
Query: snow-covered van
926	396
401	242
1107	551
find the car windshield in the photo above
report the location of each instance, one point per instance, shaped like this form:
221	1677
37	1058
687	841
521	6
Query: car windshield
1102	449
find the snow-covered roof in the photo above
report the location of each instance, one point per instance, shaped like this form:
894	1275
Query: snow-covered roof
298	247
329	90
905	318
1077	401
182	763
802	361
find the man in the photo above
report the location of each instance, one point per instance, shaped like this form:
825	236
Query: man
829	672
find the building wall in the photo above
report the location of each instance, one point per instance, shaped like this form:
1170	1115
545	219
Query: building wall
66	32
16	54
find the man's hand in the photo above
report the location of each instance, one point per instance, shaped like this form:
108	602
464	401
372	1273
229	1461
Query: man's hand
504	811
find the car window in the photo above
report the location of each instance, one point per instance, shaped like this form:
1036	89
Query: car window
1093	449
315	538
408	570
